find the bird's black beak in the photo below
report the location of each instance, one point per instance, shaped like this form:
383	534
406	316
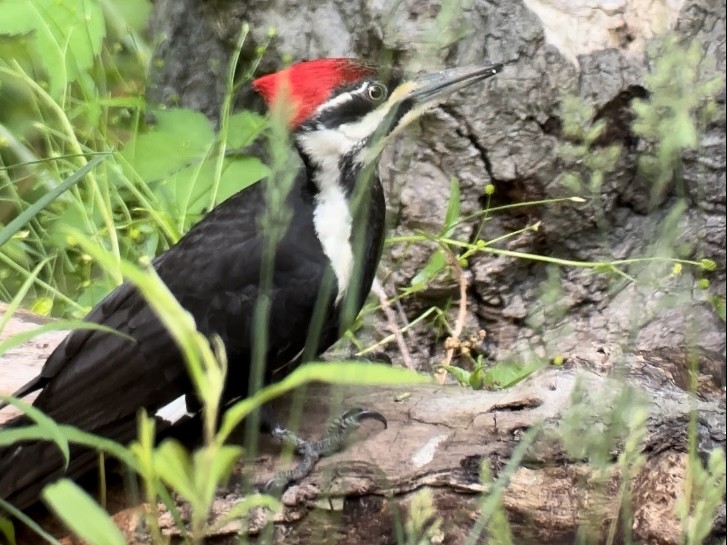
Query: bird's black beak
429	88
410	99
413	98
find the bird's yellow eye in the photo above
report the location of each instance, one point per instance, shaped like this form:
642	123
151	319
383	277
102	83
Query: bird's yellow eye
376	92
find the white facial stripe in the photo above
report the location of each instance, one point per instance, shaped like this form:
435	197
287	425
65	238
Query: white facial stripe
326	147
370	153
334	103
364	127
401	92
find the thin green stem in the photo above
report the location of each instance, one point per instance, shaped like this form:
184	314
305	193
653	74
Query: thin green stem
25	273
225	111
70	137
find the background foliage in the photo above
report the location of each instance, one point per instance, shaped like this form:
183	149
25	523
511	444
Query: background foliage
72	84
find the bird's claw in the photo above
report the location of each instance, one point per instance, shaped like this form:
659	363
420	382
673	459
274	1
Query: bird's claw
357	415
312	451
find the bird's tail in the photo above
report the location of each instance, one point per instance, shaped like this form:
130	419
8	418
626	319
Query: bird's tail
27	467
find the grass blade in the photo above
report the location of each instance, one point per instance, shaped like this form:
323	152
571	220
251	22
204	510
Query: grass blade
29	213
82	514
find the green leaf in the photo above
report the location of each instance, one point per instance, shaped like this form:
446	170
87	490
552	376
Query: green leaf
83	516
239	173
42	306
179	138
438	261
361	374
9	436
131	15
29	213
65	36
68	434
80	437
27	521
190	189
7	531
477	378
73	216
89	295
58	325
243	128
506	375
212	467
172	464
453	209
720	306
20	295
460	375
434	266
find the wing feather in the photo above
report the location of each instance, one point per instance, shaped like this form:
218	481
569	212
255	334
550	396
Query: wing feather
98	381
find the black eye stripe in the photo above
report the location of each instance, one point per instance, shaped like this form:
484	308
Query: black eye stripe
346	112
354	109
401	110
358	103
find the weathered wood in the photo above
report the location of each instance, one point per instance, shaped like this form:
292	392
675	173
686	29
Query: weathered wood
20	364
437	439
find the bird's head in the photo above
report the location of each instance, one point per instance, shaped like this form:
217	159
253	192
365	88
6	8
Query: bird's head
347	109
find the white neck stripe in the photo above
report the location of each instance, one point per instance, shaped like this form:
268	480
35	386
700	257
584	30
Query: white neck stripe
332	221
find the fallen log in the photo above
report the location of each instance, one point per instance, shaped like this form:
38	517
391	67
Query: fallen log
447	449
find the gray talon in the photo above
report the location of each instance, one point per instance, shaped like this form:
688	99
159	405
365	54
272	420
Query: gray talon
311	451
363	414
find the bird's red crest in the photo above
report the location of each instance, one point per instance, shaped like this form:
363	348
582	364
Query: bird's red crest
310	83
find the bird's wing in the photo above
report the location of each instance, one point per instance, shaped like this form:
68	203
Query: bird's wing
95	378
228	275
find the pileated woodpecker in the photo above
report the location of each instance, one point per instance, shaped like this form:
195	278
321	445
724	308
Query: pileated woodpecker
342	113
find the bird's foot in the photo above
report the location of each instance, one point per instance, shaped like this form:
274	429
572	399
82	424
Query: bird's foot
339	430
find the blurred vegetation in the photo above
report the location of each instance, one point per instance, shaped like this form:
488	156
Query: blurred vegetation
71	86
94	181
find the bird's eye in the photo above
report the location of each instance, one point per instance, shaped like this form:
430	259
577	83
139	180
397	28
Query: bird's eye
376	92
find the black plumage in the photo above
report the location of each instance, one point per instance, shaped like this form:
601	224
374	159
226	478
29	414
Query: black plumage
98	381
333	232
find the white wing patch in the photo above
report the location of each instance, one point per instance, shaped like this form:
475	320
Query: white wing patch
174	411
